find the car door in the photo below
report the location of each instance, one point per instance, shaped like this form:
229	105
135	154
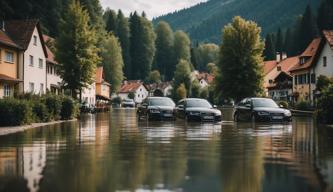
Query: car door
247	110
181	109
143	108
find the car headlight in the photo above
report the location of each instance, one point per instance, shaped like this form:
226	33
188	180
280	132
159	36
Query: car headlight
194	113
262	113
287	113
155	111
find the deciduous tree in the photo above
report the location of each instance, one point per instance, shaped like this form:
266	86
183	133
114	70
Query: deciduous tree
240	66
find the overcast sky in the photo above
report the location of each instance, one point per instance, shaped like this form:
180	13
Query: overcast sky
153	8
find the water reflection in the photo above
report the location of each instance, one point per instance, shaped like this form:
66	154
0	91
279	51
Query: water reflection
115	152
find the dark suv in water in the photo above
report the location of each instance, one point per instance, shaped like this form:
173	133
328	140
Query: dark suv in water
157	108
260	109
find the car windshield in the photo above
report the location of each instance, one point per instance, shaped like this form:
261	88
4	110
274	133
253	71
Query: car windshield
264	103
128	100
161	102
198	103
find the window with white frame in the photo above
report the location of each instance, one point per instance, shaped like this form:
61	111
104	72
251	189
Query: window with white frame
31	59
40	63
35	40
31	87
9	57
6	90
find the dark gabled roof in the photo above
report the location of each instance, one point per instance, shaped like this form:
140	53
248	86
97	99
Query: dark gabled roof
21	32
50	56
329	37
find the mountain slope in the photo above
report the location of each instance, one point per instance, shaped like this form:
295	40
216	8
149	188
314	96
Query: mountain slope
204	21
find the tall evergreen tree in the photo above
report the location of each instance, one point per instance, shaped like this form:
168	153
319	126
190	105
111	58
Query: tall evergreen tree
76	50
269	52
240	67
182	47
112	62
288	42
325	15
308	30
142	46
123	33
279	42
164	50
110	18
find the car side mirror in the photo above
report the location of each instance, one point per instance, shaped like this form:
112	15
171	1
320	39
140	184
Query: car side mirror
144	105
180	107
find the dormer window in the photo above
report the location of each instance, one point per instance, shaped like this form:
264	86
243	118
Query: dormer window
302	61
270	81
35	40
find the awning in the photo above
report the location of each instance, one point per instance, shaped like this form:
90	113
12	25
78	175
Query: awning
102	97
5	78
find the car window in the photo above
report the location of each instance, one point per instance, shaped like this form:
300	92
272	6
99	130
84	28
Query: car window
242	103
264	103
181	102
161	102
198	103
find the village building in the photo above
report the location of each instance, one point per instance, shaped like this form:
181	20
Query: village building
27	34
277	79
53	79
88	95
10	60
162	89
205	79
102	87
136	87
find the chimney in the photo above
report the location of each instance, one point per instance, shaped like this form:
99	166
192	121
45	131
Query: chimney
278	57
284	56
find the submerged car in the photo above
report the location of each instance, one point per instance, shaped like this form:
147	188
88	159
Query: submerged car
260	109
157	108
193	109
128	103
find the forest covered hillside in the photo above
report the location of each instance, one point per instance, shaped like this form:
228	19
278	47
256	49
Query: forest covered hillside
204	21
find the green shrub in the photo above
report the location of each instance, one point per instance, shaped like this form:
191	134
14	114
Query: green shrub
15	112
53	104
69	109
284	104
40	112
325	106
303	105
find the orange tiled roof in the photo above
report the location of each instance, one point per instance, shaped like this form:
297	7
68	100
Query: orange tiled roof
50	56
285	65
7	78
269	66
99	75
6	40
206	76
130	86
329	37
309	53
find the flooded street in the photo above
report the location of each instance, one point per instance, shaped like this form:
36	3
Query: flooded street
114	152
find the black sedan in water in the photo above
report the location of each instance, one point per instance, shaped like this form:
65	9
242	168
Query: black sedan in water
260	109
157	108
192	109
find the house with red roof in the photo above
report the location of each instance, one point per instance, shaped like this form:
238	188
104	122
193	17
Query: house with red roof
11	57
315	61
53	79
135	87
103	88
205	79
277	79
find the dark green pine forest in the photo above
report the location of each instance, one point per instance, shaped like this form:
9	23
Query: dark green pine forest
204	21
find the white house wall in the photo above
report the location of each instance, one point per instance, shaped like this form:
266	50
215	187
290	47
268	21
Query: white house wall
89	95
34	74
140	94
320	69
52	79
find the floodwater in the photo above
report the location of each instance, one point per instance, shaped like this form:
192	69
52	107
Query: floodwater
114	152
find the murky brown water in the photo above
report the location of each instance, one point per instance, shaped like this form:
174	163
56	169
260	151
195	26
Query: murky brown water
115	152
